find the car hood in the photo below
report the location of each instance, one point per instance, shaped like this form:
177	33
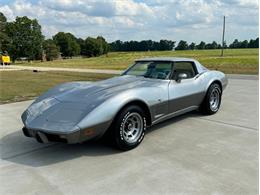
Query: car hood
49	111
86	91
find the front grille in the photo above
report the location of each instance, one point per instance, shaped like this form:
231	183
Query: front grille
55	138
50	137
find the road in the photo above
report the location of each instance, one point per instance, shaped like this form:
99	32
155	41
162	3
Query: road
18	67
190	154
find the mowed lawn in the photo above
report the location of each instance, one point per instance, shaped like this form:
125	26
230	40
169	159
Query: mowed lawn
236	61
24	85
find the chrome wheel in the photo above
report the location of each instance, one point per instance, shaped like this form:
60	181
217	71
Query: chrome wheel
214	99
132	127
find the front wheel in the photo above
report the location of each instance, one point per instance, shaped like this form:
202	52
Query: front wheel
129	127
212	100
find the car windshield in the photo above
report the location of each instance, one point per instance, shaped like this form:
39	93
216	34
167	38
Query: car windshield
155	70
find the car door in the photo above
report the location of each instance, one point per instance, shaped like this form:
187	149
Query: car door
159	72
185	93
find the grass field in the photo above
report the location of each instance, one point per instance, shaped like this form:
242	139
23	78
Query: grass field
237	61
23	85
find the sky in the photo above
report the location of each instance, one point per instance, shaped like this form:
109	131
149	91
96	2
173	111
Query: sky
190	20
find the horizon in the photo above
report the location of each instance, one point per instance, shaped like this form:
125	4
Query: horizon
193	21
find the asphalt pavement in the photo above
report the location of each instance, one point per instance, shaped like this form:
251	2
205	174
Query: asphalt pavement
190	154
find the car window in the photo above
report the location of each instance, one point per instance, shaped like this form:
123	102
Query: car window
156	70
183	67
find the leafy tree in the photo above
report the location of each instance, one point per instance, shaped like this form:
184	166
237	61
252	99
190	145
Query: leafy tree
219	46
208	46
95	46
192	46
52	51
143	45
104	47
183	45
212	45
253	43
116	45
67	43
4	39
201	45
81	43
235	44
150	45
244	44
74	46
166	45
92	47
250	44
26	38
2	22
257	43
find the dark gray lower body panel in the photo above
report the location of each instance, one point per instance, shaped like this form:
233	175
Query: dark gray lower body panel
186	102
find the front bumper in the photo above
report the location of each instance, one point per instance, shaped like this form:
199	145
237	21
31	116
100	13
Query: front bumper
78	136
46	137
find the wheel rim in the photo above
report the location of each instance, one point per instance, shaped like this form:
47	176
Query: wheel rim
132	127
214	99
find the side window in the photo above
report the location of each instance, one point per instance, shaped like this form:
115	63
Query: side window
159	70
183	67
163	70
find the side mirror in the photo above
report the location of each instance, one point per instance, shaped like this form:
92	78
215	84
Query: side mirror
181	76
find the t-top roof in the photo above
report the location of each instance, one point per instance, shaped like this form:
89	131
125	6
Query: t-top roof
168	59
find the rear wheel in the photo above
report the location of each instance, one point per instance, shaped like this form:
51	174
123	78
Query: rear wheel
212	100
129	128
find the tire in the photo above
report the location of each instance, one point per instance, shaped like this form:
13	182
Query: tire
212	100
128	128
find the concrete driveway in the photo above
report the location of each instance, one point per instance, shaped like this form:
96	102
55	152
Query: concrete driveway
191	154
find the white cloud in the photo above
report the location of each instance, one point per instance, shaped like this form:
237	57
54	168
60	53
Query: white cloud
242	3
192	20
131	8
7	11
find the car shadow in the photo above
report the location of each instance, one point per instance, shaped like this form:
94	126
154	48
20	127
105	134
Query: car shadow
17	148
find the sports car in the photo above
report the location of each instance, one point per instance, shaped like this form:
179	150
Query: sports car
123	107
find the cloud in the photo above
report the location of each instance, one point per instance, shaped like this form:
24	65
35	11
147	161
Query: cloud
7	11
242	3
90	8
99	8
192	20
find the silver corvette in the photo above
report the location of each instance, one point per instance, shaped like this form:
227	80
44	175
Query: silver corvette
123	107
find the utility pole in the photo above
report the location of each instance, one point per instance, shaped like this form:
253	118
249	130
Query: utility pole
223	36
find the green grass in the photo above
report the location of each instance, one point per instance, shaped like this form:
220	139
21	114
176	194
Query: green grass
23	85
239	61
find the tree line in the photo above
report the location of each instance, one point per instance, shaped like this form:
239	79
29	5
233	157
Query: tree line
252	43
23	38
149	45
145	45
